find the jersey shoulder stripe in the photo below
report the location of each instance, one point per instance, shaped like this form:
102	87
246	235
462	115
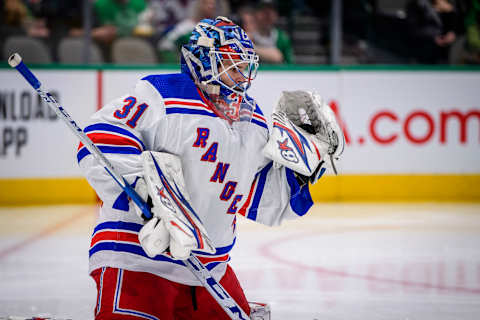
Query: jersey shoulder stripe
190	111
187	106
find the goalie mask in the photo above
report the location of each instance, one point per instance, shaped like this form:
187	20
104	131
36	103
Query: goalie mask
221	60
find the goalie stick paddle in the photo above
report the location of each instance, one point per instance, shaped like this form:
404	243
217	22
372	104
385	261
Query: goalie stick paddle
192	263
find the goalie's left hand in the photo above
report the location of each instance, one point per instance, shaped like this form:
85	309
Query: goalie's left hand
308	110
305	134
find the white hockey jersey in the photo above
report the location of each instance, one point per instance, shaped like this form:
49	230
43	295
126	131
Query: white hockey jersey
224	170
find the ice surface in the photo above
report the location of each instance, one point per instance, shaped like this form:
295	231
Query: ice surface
341	261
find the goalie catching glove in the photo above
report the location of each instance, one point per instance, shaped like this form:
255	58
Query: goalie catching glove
305	133
175	225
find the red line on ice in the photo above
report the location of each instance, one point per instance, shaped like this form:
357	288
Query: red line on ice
266	250
42	234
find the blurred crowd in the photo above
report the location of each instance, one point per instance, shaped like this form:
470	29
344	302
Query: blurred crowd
283	31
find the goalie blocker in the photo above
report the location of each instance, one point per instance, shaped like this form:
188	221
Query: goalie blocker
174	225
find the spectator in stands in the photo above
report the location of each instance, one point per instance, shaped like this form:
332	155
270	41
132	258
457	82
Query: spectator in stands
14	16
53	20
117	18
472	27
432	25
162	15
169	46
271	44
245	18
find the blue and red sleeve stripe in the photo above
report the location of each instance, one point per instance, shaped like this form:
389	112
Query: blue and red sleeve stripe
111	139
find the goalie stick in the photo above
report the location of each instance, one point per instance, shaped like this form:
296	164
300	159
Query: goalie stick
192	263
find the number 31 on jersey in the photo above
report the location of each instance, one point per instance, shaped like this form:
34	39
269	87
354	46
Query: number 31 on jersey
124	112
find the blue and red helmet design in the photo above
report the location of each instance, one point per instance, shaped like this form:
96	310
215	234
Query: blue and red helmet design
215	47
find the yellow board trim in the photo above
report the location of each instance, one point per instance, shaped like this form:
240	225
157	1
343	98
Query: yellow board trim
392	188
45	191
342	188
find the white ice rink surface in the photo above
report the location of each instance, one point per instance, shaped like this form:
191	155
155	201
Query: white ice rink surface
341	261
